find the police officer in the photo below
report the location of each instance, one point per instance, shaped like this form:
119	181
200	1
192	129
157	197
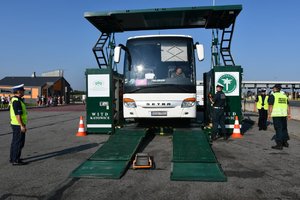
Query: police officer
279	110
262	107
18	116
218	102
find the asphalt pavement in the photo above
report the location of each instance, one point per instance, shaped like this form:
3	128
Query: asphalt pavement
253	169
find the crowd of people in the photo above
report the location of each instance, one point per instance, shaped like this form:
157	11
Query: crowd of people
50	101
40	101
4	101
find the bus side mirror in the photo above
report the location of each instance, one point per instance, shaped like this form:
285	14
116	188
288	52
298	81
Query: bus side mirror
117	54
200	51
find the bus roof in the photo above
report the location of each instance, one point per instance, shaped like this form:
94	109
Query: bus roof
208	17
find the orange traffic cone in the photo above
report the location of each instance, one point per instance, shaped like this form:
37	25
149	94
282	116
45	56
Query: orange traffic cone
81	131
236	129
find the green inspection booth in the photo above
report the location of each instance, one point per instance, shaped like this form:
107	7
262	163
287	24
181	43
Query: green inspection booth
231	78
102	102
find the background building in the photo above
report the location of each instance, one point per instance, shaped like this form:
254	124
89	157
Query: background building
46	86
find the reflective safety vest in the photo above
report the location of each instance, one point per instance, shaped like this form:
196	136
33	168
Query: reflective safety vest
13	118
259	103
280	105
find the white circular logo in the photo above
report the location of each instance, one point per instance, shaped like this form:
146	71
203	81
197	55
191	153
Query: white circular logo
229	83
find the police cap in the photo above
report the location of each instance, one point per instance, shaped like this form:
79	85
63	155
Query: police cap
18	88
220	85
263	89
278	86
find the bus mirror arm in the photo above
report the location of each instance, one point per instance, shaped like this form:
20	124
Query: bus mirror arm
195	45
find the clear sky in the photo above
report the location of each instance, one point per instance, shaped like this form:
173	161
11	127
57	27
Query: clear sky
39	36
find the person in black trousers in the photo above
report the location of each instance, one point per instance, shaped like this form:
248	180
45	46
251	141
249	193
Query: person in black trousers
262	106
18	116
280	111
218	102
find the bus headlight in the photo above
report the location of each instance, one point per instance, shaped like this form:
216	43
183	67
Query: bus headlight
129	103
188	102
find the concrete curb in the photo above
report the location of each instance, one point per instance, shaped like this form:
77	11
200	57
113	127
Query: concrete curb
295	111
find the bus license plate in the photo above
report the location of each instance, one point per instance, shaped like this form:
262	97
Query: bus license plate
159	113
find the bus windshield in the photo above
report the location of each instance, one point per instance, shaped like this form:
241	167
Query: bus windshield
160	64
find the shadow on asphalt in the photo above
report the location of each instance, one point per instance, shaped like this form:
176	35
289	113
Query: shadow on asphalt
250	114
148	138
248	123
61	152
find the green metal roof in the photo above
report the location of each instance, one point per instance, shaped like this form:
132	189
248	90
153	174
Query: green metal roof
209	17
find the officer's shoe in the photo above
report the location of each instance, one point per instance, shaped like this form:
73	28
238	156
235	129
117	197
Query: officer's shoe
285	144
226	137
11	161
19	163
278	146
213	137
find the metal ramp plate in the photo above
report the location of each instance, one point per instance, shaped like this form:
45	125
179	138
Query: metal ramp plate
101	169
197	172
118	147
192	147
193	158
111	159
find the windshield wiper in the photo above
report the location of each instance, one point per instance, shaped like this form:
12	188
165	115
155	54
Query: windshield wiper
146	87
181	87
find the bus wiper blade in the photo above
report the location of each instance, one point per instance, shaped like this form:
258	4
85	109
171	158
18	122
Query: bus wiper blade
161	85
181	87
146	87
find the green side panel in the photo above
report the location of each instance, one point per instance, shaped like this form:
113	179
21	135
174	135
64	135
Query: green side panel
192	146
232	90
197	172
233	102
101	169
99	107
99	130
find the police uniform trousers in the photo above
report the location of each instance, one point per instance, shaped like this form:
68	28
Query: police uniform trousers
280	126
262	119
218	118
18	141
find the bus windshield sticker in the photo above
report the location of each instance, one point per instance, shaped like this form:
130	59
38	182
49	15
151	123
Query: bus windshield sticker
173	52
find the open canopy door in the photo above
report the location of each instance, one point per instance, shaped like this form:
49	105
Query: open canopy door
208	17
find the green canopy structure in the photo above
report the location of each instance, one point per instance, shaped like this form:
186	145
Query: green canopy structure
208	17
